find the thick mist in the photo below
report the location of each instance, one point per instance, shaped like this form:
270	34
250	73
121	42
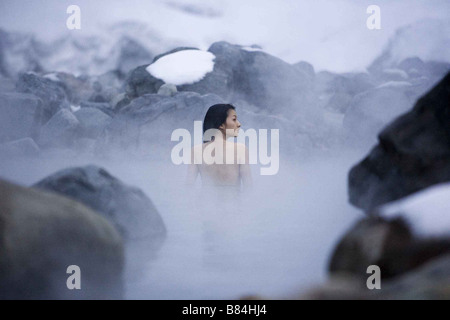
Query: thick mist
275	238
271	240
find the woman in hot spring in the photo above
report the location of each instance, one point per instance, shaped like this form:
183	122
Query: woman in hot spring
218	161
223	166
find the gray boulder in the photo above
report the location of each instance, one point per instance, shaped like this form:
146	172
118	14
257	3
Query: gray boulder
119	101
41	234
306	68
21	116
256	77
104	95
92	121
413	66
76	89
128	208
413	153
140	82
60	131
110	79
102	106
50	92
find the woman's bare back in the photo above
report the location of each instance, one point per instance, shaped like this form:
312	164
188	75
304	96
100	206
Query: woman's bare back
226	169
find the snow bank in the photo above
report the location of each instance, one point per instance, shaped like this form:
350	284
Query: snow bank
427	211
183	67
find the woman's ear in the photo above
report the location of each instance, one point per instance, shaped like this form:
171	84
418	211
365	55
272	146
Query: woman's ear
222	126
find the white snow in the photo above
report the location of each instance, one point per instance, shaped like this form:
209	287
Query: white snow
394	84
427	211
75	108
183	67
251	49
52	76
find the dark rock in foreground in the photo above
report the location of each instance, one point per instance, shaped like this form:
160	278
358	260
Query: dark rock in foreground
128	208
413	258
412	253
429	282
41	234
389	244
413	153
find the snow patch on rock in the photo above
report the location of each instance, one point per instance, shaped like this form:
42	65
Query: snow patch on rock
427	211
183	67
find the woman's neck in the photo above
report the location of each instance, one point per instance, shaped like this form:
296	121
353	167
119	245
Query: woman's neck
220	138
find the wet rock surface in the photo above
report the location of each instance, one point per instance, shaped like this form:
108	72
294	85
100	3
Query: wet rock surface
413	153
41	234
126	207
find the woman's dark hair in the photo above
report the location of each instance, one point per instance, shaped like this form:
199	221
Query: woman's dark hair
216	116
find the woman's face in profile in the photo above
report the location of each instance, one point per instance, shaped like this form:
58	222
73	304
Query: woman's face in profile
232	124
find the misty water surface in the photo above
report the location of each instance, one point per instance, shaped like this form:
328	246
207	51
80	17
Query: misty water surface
272	241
